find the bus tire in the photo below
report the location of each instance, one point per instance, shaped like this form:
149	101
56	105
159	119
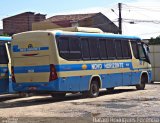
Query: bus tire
110	90
23	95
144	80
58	95
94	89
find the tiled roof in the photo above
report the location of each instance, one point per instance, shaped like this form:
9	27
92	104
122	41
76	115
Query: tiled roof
29	13
72	17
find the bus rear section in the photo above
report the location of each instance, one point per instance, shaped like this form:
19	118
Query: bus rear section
32	67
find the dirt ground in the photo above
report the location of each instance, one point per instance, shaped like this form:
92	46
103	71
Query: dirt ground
125	103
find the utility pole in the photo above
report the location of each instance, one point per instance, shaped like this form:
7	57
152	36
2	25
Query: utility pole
120	18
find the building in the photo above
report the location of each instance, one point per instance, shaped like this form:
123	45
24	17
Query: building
21	22
97	20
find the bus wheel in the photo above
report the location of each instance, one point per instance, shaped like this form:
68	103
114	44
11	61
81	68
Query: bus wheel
94	89
23	95
142	84
110	90
58	95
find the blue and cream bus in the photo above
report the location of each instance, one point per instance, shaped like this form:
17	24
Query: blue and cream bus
77	60
5	66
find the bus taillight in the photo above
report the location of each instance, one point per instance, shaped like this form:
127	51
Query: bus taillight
13	76
53	73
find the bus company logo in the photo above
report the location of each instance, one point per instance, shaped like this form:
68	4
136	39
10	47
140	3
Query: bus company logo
141	62
84	67
113	65
96	66
30	46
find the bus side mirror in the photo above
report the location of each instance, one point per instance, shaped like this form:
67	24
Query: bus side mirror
148	49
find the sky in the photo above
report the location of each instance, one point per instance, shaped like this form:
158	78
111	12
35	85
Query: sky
144	13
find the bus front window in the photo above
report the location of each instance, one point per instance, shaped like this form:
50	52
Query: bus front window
143	52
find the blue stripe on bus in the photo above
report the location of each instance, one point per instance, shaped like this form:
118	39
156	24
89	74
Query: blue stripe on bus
93	66
32	69
73	67
100	35
15	48
3	70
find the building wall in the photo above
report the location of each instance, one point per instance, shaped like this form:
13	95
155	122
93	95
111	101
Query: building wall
98	20
155	58
21	23
102	22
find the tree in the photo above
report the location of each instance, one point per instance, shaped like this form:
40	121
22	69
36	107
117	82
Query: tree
4	35
154	41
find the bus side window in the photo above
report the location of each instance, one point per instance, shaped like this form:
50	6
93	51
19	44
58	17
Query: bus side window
75	49
63	45
102	49
93	46
3	55
135	49
85	49
126	49
118	49
110	46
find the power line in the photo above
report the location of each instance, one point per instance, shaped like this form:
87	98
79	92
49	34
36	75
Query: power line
138	7
133	21
150	33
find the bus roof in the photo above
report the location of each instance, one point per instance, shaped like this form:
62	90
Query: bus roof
5	38
88	32
98	35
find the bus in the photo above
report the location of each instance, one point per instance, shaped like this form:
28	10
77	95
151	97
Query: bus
5	66
77	59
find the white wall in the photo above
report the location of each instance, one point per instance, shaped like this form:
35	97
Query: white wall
155	61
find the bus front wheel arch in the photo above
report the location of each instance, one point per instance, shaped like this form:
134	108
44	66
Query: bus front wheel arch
143	81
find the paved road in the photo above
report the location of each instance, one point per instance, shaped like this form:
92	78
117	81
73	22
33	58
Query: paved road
123	102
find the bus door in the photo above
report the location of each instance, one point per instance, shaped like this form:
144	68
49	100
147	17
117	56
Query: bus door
147	51
4	77
139	61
